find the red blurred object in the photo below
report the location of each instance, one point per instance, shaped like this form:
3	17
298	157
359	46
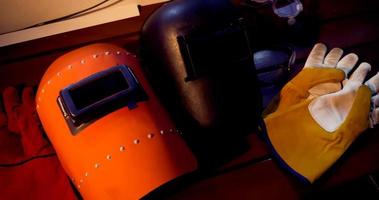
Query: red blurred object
29	168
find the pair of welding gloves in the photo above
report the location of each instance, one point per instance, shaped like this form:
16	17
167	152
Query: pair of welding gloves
320	112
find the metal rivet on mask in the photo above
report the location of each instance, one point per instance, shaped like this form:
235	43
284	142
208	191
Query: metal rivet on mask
107	53
82	61
48	82
86	174
69	66
95	56
134	56
162	132
127	53
171	130
37	106
97	165
81	181
43	91
39	98
118	53
150	135
136	141
109	157
59	74
78	186
122	148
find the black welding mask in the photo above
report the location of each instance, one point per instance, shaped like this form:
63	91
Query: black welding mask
198	56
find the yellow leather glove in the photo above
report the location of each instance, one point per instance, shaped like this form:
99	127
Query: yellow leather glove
309	135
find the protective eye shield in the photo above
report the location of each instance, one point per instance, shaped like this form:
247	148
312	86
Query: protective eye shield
98	95
221	49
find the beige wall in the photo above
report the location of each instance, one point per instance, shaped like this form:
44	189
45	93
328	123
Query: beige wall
19	14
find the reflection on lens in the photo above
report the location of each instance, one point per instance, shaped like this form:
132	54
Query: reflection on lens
287	8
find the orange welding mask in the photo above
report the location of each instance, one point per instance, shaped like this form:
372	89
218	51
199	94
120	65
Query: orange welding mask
111	134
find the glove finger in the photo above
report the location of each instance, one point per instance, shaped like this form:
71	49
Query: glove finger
11	103
375	116
324	88
28	98
348	62
309	78
375	100
316	57
297	90
358	117
360	73
333	57
373	83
